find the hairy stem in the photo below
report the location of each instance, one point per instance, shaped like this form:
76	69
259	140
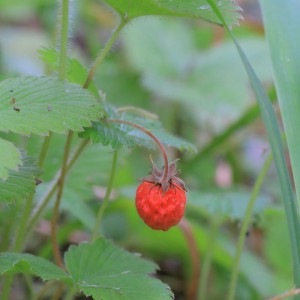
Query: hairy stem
195	258
55	216
64	39
53	186
106	197
155	139
103	53
245	225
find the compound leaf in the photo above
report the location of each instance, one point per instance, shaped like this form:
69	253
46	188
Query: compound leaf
42	104
106	272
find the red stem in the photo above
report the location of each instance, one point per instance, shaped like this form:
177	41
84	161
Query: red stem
155	139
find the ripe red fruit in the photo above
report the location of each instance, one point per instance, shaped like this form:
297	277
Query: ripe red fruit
160	201
159	209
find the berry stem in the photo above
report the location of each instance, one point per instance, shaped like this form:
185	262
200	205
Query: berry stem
155	139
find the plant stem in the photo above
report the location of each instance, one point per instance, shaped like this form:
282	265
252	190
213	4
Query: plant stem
17	245
54	219
71	293
48	285
22	229
44	150
290	293
103	53
106	197
59	291
155	139
195	258
64	39
53	186
6	286
245	225
214	226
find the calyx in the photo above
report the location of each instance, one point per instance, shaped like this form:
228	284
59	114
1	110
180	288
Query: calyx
166	181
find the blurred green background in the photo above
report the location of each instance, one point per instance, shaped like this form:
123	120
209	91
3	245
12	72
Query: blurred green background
188	73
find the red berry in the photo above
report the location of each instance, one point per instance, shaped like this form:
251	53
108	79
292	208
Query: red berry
158	208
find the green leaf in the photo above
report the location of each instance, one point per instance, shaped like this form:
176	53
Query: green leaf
76	72
272	127
189	8
224	205
20	183
120	135
42	104
183	73
27	263
106	272
282	24
10	158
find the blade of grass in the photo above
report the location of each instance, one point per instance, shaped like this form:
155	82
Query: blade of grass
270	121
282	24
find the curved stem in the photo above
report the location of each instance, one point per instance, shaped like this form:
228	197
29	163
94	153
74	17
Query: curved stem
52	188
55	216
106	197
64	39
155	139
103	53
245	225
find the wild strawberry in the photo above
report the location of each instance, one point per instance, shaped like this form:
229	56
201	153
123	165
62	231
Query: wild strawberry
160	200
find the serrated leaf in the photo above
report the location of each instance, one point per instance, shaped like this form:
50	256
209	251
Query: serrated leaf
189	8
27	263
20	183
10	158
224	205
106	272
121	135
42	104
76	72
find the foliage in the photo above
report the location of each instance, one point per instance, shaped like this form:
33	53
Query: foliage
73	140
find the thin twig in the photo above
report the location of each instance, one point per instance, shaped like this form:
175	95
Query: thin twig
106	197
55	216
